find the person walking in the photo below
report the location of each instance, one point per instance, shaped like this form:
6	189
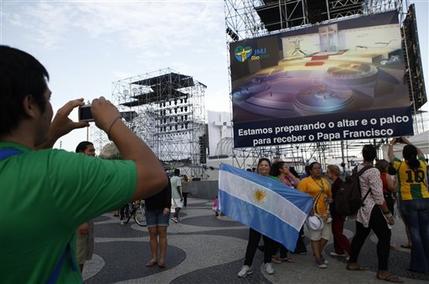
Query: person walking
373	215
414	201
263	168
176	194
320	189
341	242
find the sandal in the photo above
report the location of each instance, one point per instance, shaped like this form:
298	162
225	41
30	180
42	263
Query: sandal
151	263
356	267
161	265
390	277
406	246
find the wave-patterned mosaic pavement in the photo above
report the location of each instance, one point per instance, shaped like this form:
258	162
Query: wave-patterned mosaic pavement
203	248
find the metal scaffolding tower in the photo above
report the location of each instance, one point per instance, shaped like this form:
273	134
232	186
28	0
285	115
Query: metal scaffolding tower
167	110
252	18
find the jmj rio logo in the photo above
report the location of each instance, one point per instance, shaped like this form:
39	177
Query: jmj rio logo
242	53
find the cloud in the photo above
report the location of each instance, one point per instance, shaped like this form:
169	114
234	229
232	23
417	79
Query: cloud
45	23
133	24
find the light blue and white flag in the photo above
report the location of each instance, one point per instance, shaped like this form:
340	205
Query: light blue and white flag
264	204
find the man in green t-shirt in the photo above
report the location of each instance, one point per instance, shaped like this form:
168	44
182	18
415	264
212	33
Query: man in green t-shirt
47	193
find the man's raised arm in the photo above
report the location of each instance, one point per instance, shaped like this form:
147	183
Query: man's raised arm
151	176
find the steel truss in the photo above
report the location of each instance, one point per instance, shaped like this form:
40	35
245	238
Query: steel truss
170	114
243	22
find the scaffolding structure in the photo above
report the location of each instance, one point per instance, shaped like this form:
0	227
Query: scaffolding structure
245	19
253	18
166	109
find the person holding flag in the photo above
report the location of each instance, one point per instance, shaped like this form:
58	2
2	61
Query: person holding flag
266	205
263	168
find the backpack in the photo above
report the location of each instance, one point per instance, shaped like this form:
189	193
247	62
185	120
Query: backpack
348	198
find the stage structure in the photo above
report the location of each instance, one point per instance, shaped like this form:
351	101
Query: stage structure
249	19
252	18
167	110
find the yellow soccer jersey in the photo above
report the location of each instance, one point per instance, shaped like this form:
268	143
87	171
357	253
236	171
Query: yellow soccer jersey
412	184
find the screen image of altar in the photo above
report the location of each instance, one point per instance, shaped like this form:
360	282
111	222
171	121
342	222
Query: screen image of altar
349	66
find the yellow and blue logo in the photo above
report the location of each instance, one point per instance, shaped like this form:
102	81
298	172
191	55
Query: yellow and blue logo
243	53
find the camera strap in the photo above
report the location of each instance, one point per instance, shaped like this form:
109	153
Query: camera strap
8	152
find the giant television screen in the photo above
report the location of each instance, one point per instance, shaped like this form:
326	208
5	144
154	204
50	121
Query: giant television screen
342	80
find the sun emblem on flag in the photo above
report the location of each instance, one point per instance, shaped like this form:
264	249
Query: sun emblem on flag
260	195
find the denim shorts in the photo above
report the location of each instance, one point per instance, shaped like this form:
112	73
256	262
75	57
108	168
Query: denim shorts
156	218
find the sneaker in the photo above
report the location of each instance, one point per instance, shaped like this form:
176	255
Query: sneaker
122	222
321	264
245	270
324	260
334	254
269	268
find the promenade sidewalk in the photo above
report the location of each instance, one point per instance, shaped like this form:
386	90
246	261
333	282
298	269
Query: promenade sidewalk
208	249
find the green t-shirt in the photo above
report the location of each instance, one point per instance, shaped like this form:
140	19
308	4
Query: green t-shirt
44	196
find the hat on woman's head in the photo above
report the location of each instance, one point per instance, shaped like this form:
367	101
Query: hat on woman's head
110	151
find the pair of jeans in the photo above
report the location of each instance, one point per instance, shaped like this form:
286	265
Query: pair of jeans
416	216
252	246
341	242
378	224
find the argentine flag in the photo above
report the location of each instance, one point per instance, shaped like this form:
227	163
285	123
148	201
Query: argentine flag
264	204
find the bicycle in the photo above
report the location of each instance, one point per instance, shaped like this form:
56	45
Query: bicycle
138	214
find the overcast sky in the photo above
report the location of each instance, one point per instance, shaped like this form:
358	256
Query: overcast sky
87	45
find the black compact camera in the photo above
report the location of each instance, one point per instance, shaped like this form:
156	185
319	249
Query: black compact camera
85	114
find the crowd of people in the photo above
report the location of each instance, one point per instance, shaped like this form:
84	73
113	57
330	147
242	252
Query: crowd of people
40	194
381	185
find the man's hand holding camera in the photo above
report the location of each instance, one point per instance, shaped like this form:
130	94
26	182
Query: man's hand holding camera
62	124
105	114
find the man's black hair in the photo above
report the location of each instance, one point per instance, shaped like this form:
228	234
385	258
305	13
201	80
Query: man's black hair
81	147
369	153
177	172
20	75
